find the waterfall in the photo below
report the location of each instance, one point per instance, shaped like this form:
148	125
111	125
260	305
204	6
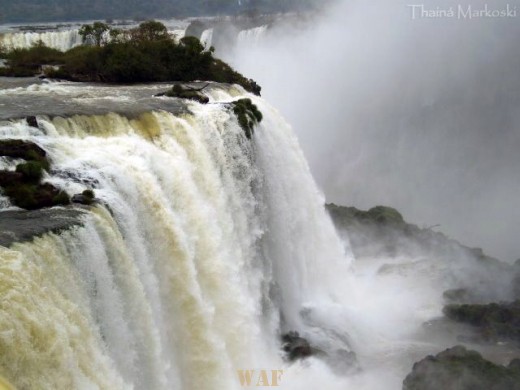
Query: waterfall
207	38
203	247
177	34
61	40
252	35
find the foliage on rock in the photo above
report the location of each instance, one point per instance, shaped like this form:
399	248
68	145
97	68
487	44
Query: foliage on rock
23	186
495	321
458	368
248	115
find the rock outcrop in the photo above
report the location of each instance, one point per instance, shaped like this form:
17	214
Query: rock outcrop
186	92
494	322
23	186
23	225
460	369
295	346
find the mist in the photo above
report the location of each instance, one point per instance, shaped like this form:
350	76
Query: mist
418	114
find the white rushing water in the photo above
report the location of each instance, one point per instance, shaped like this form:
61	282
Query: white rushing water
61	40
207	38
251	36
203	248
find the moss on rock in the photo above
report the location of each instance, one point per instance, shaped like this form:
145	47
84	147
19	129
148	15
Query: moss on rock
494	321
23	186
32	171
458	368
248	115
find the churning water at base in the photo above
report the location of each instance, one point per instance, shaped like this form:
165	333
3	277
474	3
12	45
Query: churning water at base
204	246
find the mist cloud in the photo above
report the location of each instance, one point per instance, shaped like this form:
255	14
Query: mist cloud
422	115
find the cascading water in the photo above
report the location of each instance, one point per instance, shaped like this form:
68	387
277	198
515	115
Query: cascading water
60	40
177	34
207	38
203	247
251	36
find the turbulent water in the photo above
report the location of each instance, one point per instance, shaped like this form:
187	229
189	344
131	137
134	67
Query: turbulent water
203	248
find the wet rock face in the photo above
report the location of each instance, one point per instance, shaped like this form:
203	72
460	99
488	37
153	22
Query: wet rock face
87	198
22	149
186	92
495	321
460	369
340	361
24	187
32	121
296	347
23	225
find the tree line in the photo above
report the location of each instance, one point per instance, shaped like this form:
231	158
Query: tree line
146	53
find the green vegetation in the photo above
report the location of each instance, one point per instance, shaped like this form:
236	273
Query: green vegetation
143	54
32	171
95	33
29	151
23	186
27	62
248	115
88	197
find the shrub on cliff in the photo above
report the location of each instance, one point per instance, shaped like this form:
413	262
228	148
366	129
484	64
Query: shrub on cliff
458	368
248	115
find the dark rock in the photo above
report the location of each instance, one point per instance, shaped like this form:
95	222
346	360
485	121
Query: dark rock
382	232
23	225
493	321
181	92
32	121
36	196
9	178
296	347
22	149
85	198
514	365
460	369
23	187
